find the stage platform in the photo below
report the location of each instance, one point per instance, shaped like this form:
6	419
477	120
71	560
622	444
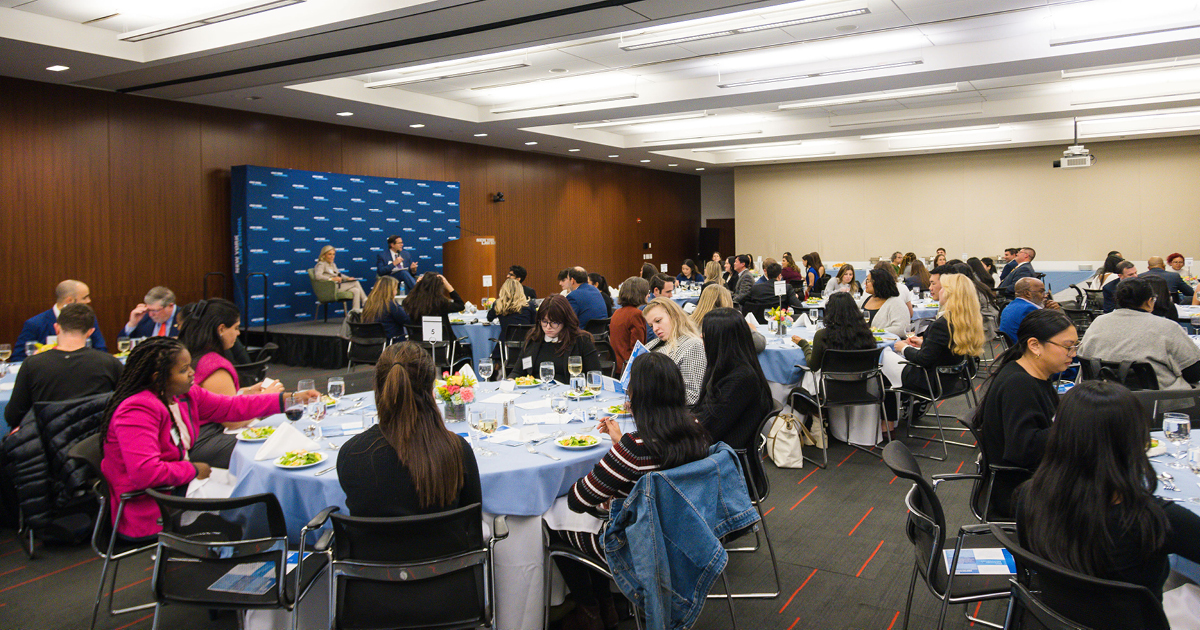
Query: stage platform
303	344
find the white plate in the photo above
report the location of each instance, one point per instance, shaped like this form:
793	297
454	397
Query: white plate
1161	449
587	396
529	386
278	465
242	437
576	448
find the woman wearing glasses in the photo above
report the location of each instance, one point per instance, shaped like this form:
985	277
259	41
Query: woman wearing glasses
1015	415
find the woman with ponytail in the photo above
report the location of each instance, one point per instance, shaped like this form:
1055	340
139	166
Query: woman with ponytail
1014	417
151	423
408	463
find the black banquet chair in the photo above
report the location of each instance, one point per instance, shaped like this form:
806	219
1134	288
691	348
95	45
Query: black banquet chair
424	571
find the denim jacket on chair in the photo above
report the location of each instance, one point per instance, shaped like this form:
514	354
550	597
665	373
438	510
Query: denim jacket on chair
662	543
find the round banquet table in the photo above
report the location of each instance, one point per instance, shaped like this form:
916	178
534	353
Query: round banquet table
922	307
514	482
1188	484
478	331
781	356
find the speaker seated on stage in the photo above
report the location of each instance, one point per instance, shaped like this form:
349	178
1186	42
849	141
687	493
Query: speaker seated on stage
396	263
155	316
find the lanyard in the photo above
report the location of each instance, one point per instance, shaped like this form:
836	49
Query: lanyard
180	434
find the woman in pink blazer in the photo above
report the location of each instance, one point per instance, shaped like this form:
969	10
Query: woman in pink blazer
152	421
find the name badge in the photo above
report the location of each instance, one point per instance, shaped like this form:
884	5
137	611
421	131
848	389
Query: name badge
527	363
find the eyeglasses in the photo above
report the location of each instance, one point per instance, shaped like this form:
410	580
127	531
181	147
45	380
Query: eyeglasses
549	324
1071	349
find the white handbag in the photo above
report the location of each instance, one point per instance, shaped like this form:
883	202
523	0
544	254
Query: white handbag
784	444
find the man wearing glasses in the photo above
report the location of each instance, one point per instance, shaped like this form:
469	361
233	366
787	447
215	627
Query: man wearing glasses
1023	269
155	317
1030	296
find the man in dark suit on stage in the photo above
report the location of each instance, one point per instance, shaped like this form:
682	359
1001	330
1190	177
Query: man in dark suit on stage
41	326
396	263
1023	269
155	317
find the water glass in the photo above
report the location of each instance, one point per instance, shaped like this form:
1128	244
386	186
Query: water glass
577	384
546	372
1194	462
595	381
1177	428
5	351
336	388
486	367
124	345
30	348
559	404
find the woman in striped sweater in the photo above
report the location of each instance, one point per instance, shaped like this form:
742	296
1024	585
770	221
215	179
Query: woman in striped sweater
667	436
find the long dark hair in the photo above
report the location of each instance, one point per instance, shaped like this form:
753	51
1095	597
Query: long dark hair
648	271
657	400
426	297
1042	324
411	423
918	270
201	319
148	367
845	328
883	283
981	272
728	346
1110	267
556	309
1095	467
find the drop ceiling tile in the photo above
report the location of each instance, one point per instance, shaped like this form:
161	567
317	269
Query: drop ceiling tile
925	11
982	34
71	10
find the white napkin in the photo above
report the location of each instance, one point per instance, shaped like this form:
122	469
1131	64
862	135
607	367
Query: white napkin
560	517
285	438
751	319
508	436
499	399
530	434
547	418
468	372
541	403
7	386
689	307
508	386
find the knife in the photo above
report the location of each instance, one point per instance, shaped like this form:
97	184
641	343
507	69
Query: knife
323	471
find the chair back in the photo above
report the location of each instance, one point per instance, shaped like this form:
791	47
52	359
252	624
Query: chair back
1080	317
367	342
598	326
1085	600
986	504
758	308
1026	612
1095	299
955	380
514	340
425	571
323	290
926	526
850	378
820	284
205	537
1136	375
797	288
758	484
608	361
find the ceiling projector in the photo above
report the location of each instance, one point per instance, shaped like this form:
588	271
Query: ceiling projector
1076	156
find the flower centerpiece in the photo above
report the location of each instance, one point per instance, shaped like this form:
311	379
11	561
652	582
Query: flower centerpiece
781	317
457	392
486	303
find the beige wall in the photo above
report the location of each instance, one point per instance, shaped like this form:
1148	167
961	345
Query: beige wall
1142	197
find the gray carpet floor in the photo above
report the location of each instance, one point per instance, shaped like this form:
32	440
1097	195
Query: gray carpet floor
844	560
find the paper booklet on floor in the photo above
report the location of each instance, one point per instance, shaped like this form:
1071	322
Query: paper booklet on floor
253	578
983	561
286	438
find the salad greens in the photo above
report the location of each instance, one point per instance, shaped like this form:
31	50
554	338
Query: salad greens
256	433
579	440
617	409
300	458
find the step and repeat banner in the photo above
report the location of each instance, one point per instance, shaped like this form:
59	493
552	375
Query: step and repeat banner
282	218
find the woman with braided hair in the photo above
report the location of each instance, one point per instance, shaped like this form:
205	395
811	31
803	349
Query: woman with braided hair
152	421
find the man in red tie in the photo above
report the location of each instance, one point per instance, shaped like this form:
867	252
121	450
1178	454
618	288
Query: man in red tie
155	317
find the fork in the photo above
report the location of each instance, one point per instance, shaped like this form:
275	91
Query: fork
529	447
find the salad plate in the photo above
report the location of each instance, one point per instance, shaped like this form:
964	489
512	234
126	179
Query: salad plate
579	441
255	434
299	459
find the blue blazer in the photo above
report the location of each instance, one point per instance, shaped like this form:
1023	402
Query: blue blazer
40	326
146	327
384	266
1006	285
588	304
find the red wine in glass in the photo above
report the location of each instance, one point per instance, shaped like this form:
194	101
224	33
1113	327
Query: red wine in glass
294	413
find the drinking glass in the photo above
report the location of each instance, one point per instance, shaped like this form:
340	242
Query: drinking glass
5	351
559	404
336	388
578	384
546	371
772	325
487	421
485	368
124	345
30	348
294	410
595	381
1177	428
575	365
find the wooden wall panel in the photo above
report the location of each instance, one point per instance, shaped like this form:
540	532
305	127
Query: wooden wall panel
124	192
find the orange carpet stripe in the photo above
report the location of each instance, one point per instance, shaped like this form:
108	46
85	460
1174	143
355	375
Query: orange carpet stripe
133	584
136	621
977	605
768	511
869	559
847	457
5	590
893	480
860	521
794	623
960	465
894	618
789	601
807	476
13	570
802	499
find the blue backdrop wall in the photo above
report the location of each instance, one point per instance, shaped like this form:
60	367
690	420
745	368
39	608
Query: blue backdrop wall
282	218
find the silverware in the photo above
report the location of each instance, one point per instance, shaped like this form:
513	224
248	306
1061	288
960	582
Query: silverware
537	452
323	471
556	434
1168	481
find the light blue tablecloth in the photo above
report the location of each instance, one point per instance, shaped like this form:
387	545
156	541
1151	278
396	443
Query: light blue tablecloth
514	481
479	335
6	385
781	356
1186	481
920	310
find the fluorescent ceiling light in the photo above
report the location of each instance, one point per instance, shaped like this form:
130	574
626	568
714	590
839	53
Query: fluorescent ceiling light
416	126
785	157
529	144
639	121
481	135
525	108
345	113
959	145
644	161
204	19
1141	67
447	73
1129	132
734	148
1099	37
572	150
927	132
732	136
58	68
1139	99
813	75
870	98
639	44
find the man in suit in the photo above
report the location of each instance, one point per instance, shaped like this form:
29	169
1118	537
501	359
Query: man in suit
41	326
741	268
1010	261
155	316
1175	283
396	263
1125	269
1031	296
584	298
1023	269
518	273
762	293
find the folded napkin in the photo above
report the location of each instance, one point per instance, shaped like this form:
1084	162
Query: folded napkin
508	386
532	434
508	436
285	438
547	418
751	319
468	372
689	307
499	399
541	403
560	517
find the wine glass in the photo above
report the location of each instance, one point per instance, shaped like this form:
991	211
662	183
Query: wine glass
575	365
546	371
473	421
486	367
124	345
487	421
1177	428
5	351
336	388
294	410
30	348
595	381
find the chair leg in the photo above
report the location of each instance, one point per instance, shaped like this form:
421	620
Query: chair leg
729	600
912	586
157	610
100	590
825	449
